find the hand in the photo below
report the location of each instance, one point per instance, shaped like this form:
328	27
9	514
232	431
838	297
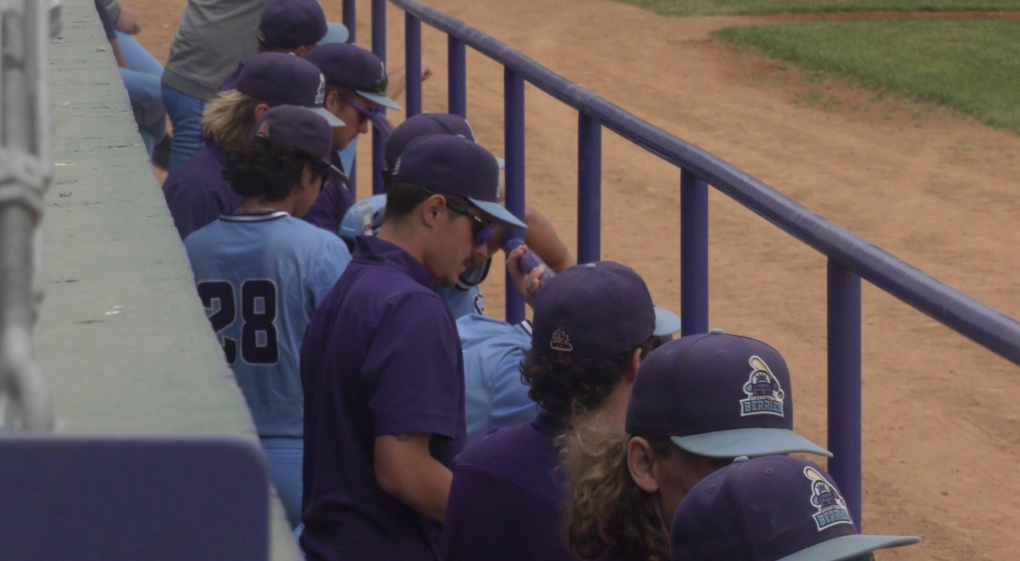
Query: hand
128	22
426	71
525	285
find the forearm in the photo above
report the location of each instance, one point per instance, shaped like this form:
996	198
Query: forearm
542	238
397	82
405	469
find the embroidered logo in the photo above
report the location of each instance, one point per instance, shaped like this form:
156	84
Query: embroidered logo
560	341
826	498
320	95
263	131
764	396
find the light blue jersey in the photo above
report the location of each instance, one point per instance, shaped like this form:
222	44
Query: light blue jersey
494	395
260	276
463	302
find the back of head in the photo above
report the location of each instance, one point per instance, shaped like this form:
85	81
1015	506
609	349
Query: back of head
289	24
588	321
420	125
776	508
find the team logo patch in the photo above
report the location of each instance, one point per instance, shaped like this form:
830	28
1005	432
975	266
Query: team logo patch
320	95
764	396
263	131
826	498
560	341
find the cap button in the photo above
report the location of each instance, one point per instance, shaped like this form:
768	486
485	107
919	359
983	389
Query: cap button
717	331
589	265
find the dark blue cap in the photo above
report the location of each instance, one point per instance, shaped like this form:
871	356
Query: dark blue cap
597	309
289	24
776	508
352	67
299	128
454	165
281	79
424	124
717	395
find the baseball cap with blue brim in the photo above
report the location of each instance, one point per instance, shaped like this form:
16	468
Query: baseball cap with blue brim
454	165
597	309
717	395
352	67
776	508
300	128
282	79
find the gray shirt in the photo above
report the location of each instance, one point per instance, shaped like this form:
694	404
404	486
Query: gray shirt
213	37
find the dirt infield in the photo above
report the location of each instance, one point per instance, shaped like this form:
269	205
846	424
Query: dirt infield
942	431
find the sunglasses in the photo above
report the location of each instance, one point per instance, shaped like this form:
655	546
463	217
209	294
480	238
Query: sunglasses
363	113
480	229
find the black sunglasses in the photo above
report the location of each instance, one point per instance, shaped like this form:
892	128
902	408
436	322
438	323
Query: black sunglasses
481	229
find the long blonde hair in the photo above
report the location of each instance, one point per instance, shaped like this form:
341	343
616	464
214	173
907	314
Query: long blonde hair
229	120
607	509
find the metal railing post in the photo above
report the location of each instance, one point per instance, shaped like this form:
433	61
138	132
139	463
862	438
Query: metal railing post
412	58
457	62
25	173
693	253
513	103
379	48
844	331
350	18
589	189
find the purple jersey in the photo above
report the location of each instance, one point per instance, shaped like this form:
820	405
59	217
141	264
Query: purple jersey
197	194
380	356
508	497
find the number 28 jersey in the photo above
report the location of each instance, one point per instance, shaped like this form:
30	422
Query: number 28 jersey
260	276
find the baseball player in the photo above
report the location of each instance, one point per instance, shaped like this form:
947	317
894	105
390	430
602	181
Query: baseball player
776	508
384	410
697	403
593	324
260	273
356	83
196	192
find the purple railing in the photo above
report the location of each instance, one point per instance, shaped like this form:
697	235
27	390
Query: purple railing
850	258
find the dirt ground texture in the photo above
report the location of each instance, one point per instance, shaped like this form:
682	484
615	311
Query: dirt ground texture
929	185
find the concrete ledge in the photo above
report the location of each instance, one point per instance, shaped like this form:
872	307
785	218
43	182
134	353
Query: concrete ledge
124	342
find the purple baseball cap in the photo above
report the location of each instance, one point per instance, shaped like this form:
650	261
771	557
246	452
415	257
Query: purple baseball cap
279	79
777	508
289	24
597	309
717	395
300	128
350	66
454	165
420	125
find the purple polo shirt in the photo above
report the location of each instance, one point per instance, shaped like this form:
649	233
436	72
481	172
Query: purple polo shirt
197	194
508	497
381	356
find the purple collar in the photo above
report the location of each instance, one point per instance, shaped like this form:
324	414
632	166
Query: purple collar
374	251
546	424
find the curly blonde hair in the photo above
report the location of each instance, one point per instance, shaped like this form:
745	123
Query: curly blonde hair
607	509
229	120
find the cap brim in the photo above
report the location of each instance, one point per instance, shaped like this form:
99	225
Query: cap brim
499	214
848	547
336	175
379	99
666	322
335	33
501	163
333	121
748	442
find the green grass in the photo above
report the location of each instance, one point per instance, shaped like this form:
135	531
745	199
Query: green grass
972	65
734	7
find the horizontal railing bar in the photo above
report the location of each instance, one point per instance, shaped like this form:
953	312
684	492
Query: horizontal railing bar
969	317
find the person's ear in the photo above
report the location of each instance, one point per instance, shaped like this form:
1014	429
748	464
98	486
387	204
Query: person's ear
260	110
431	208
641	464
635	362
333	103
